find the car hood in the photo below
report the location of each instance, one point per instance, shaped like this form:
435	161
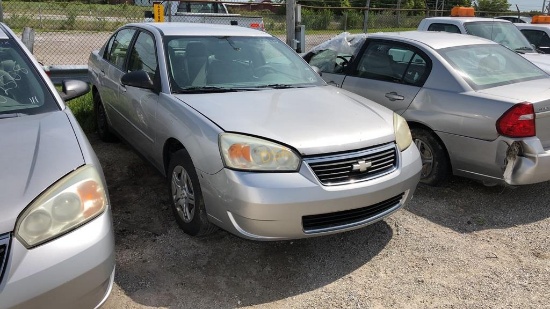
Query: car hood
36	151
540	60
312	120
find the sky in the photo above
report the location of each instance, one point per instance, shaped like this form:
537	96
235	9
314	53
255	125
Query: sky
527	5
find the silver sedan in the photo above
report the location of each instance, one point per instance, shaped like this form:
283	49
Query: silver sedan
56	234
475	108
250	138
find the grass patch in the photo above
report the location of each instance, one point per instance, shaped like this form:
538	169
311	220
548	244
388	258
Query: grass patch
83	110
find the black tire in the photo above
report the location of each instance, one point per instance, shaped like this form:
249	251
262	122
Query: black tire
186	198
435	164
103	129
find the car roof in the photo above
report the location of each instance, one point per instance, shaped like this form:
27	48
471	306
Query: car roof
515	16
532	26
468	19
434	39
191	29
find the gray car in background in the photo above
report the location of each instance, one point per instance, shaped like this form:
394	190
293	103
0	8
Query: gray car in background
250	138
56	235
475	108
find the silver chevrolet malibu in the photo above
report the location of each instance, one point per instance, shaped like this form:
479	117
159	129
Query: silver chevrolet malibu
475	108
56	235
250	138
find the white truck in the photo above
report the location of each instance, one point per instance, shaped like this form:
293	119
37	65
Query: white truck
498	30
208	12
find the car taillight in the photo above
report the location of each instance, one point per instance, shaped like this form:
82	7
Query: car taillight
518	121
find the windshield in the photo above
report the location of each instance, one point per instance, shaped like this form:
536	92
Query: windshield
21	92
235	63
486	66
501	32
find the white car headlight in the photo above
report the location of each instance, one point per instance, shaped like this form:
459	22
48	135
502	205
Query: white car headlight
72	201
403	136
249	153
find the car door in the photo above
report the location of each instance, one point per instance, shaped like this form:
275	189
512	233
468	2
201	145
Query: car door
387	72
138	104
116	56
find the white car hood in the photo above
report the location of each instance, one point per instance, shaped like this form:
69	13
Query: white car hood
36	151
313	120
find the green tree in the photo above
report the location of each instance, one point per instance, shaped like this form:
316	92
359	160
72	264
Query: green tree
492	5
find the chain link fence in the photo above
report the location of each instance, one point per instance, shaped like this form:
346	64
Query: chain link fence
66	32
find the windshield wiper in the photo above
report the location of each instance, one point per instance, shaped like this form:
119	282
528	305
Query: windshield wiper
12	115
279	86
205	89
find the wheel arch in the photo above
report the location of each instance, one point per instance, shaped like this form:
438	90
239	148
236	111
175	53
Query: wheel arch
171	145
418	125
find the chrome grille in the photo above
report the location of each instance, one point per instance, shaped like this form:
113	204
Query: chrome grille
348	218
4	242
361	165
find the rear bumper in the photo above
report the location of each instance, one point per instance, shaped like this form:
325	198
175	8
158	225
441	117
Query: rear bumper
504	160
531	165
73	271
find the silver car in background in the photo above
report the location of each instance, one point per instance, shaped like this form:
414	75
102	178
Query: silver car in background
56	235
475	108
249	136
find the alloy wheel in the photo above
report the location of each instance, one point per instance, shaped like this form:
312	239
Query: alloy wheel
426	155
182	194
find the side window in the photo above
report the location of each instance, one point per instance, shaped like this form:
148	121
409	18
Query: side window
119	48
107	50
329	61
143	56
539	38
394	63
444	27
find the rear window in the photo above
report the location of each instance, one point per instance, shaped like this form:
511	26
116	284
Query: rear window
503	33
21	90
486	66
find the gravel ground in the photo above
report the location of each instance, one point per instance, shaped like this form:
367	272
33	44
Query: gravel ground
461	245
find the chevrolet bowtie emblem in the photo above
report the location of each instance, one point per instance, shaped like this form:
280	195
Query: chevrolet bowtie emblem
361	166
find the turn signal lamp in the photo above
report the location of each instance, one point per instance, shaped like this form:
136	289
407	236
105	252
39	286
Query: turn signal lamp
461	11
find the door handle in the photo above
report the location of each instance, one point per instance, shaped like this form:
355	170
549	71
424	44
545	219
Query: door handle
393	96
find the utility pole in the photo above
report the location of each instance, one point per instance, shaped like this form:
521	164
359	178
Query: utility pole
366	18
543	5
290	23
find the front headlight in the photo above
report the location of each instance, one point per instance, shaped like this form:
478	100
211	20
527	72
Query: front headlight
72	201
249	153
403	136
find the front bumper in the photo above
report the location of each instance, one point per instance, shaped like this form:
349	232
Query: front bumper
73	271
272	206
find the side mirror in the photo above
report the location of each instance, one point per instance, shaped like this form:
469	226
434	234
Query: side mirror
317	70
138	79
71	89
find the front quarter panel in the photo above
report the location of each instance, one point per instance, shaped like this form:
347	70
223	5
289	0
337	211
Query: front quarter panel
197	133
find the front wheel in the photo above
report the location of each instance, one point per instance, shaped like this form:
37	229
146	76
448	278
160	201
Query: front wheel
435	165
186	198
